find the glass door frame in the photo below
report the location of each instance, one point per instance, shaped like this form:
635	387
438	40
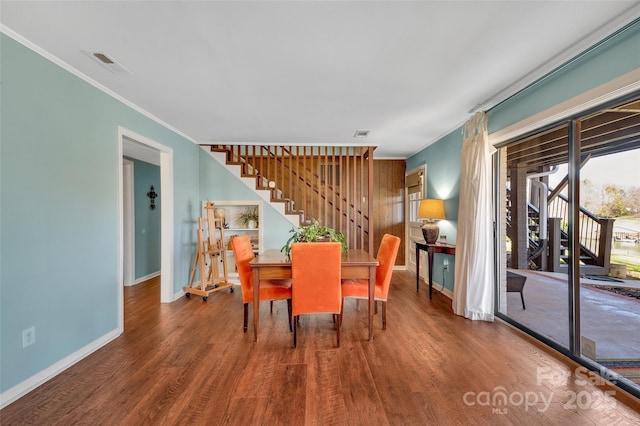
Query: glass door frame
573	190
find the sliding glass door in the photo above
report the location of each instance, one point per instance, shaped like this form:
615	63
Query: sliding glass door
534	289
568	203
609	237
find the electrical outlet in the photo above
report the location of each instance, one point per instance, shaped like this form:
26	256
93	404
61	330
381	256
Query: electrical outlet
445	264
28	337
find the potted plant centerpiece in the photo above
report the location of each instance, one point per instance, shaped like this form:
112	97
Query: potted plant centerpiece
249	217
314	232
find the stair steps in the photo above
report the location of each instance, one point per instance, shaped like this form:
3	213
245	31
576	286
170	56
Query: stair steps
245	172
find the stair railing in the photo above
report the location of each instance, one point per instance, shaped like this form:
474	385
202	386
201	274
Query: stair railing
332	184
594	232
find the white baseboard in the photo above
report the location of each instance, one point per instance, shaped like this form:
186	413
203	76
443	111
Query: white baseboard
36	380
146	277
143	279
437	286
177	295
447	292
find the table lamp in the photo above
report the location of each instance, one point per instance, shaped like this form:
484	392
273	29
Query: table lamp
431	209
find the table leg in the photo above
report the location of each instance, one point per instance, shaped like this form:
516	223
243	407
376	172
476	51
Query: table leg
372	288
431	251
256	303
417	268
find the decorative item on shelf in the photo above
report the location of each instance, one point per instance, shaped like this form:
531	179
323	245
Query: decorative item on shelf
431	209
249	217
219	214
314	232
152	194
443	239
255	242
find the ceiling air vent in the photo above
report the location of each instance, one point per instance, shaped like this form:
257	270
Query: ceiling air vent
107	62
104	58
361	134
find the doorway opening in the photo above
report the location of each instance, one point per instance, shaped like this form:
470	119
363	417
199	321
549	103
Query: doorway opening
415	190
133	145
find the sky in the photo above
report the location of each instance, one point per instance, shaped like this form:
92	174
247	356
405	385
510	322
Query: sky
622	170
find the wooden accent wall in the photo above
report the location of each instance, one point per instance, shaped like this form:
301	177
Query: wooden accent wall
388	198
331	185
389	203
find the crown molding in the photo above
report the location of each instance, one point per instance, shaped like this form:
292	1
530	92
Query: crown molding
621	86
57	61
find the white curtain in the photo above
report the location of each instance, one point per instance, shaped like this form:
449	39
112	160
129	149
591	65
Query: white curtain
473	290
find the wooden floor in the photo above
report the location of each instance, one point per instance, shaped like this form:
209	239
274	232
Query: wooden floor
188	362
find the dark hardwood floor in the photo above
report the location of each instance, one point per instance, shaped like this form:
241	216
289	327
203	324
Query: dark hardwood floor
189	362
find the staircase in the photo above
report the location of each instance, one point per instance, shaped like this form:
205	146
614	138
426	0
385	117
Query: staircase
331	184
249	180
595	236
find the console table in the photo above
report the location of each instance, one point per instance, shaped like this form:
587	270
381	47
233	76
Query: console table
431	249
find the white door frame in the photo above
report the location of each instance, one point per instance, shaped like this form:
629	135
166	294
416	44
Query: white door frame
166	216
128	223
411	231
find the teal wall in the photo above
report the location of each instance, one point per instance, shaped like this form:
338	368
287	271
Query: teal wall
217	184
443	181
147	226
59	209
610	59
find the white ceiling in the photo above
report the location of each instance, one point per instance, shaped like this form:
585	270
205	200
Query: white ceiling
303	72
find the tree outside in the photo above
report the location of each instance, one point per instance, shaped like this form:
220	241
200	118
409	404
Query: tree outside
610	187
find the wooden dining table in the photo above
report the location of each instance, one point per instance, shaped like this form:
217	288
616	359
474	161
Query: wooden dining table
274	265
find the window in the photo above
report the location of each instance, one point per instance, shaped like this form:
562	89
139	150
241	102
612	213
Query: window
415	184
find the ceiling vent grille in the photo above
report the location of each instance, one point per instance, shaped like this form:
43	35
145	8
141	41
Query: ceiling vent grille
104	58
361	134
107	62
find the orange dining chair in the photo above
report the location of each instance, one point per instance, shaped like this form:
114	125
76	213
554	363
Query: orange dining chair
269	289
315	272
359	289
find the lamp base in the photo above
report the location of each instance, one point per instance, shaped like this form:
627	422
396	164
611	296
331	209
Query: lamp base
430	232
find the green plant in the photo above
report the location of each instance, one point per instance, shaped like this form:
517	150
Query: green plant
247	215
314	232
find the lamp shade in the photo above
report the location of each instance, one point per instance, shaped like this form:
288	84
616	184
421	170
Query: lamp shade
431	208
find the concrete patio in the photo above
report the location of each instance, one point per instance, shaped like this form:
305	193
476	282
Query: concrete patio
611	320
